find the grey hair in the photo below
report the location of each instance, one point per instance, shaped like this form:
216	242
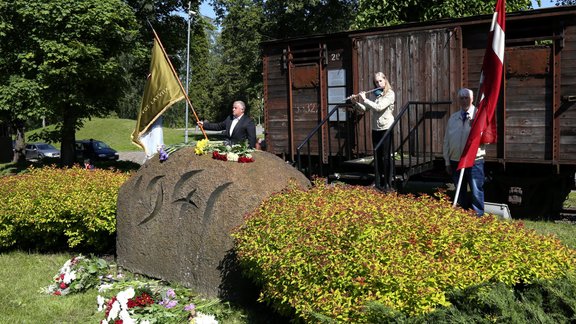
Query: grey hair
241	103
465	92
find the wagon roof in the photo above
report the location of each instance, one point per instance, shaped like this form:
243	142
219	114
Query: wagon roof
447	22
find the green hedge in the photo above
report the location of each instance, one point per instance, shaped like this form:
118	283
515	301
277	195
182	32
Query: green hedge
44	207
328	252
543	301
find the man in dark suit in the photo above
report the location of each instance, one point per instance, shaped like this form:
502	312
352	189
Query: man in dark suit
237	127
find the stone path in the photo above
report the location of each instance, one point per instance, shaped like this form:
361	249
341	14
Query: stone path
135	156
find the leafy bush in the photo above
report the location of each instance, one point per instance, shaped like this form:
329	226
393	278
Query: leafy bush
544	301
327	253
42	207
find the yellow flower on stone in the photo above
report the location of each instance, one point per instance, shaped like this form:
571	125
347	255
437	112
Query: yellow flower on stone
200	146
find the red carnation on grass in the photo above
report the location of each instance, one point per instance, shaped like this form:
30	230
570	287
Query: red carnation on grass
109	306
140	301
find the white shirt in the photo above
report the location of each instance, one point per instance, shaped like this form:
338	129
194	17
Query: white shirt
234	122
456	136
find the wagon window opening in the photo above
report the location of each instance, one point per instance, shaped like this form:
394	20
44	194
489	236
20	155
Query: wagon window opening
337	93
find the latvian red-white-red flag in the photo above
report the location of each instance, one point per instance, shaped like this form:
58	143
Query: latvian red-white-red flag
483	129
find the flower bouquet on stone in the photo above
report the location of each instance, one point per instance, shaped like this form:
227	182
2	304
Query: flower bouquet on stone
79	274
219	150
235	153
152	302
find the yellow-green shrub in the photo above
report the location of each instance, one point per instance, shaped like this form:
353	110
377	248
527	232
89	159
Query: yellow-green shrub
40	207
330	251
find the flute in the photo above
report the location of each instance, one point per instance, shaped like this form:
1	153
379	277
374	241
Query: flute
357	95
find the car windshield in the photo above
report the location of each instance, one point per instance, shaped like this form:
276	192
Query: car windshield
45	147
100	145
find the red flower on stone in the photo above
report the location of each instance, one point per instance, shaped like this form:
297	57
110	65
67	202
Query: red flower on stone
218	156
245	159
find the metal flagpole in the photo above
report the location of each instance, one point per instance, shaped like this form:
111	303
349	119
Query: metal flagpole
187	73
458	187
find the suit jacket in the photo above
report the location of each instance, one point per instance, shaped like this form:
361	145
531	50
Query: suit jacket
244	130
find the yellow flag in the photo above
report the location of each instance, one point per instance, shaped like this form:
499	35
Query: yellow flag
162	90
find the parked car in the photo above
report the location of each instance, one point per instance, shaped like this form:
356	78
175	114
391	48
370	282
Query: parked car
38	151
95	150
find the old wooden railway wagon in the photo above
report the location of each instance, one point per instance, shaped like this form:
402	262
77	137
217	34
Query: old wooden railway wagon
531	167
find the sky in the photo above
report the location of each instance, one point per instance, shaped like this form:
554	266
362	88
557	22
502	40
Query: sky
206	10
545	4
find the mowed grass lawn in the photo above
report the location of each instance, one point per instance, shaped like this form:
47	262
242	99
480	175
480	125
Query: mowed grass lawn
116	132
22	275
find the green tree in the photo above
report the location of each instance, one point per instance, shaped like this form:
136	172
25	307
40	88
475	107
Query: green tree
375	13
286	18
238	75
20	100
202	72
564	2
246	23
168	20
66	56
200	75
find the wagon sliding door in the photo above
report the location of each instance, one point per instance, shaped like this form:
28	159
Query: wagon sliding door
305	71
422	65
528	121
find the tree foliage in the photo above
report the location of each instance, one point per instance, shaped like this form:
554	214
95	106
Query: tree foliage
169	20
69	53
374	13
284	18
239	76
200	75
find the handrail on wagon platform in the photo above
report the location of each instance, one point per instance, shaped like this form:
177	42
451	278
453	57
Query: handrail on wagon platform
410	149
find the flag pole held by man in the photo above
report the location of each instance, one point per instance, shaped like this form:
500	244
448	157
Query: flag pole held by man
163	89
483	129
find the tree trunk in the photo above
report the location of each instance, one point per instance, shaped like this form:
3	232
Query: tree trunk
20	143
67	147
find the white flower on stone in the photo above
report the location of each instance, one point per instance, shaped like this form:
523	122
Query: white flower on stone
232	157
